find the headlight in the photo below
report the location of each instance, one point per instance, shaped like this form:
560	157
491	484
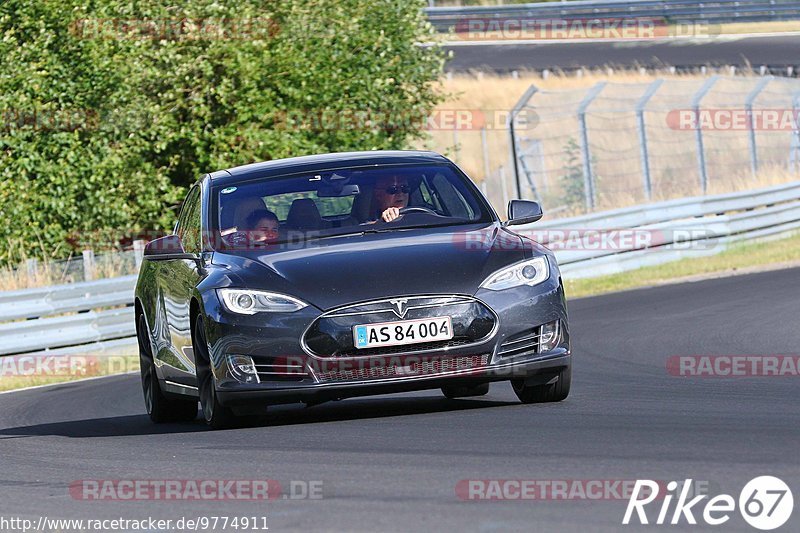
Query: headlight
250	302
530	272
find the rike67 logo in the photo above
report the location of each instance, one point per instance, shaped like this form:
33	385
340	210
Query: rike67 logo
765	503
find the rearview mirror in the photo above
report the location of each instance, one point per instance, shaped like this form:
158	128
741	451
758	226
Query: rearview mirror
336	190
165	248
523	212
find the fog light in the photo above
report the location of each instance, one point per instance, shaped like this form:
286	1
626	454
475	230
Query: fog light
549	336
242	368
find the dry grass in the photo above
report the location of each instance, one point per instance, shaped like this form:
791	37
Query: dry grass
16	371
614	140
776	26
45	272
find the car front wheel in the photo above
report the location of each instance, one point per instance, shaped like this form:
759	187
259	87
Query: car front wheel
159	407
216	415
549	392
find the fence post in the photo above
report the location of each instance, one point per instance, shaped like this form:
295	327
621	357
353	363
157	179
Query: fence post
485	149
138	252
701	155
88	265
32	267
522	102
503	186
588	178
748	106
794	147
640	105
455	144
534	145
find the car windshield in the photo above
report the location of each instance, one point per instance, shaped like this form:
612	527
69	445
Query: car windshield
300	208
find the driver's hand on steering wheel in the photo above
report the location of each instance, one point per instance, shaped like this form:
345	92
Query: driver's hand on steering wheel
390	214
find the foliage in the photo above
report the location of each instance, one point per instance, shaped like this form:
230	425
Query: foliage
111	109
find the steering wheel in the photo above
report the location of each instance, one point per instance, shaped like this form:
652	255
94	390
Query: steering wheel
405	210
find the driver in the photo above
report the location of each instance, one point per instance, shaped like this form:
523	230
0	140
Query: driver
391	195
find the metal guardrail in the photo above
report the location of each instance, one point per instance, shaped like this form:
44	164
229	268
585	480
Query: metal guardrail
66	298
668	231
102	312
38	319
717	11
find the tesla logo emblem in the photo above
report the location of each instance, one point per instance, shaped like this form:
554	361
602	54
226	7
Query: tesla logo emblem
400	308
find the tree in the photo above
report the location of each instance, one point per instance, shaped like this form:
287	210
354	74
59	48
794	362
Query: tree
112	110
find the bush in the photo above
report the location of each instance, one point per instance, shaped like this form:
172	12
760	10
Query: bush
111	111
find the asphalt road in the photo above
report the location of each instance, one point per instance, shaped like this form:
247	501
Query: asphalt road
756	51
393	462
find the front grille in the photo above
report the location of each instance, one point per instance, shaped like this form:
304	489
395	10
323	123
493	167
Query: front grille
433	367
526	342
331	335
280	369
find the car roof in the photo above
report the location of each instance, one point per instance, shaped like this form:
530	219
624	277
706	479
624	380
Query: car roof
312	163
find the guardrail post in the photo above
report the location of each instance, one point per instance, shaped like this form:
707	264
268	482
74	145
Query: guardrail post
522	102
701	154
748	106
138	252
588	177
640	105
88	265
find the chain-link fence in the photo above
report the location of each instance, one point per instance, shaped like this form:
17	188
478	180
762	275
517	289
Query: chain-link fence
623	144
83	267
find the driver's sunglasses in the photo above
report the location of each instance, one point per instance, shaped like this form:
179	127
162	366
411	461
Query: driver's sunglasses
394	189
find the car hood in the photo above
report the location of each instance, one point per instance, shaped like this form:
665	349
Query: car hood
336	271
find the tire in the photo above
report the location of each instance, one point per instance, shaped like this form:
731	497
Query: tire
216	415
464	391
555	392
159	407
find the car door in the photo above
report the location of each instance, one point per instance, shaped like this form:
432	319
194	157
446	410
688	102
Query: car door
178	278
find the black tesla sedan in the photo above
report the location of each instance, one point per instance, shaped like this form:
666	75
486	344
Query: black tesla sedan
324	277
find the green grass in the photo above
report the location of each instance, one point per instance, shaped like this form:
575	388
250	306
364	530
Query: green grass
743	256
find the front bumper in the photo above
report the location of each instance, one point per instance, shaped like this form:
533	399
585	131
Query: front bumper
544	368
275	344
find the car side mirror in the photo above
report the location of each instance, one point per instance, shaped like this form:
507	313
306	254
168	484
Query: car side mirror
523	212
166	248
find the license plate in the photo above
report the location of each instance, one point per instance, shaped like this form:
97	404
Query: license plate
403	332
